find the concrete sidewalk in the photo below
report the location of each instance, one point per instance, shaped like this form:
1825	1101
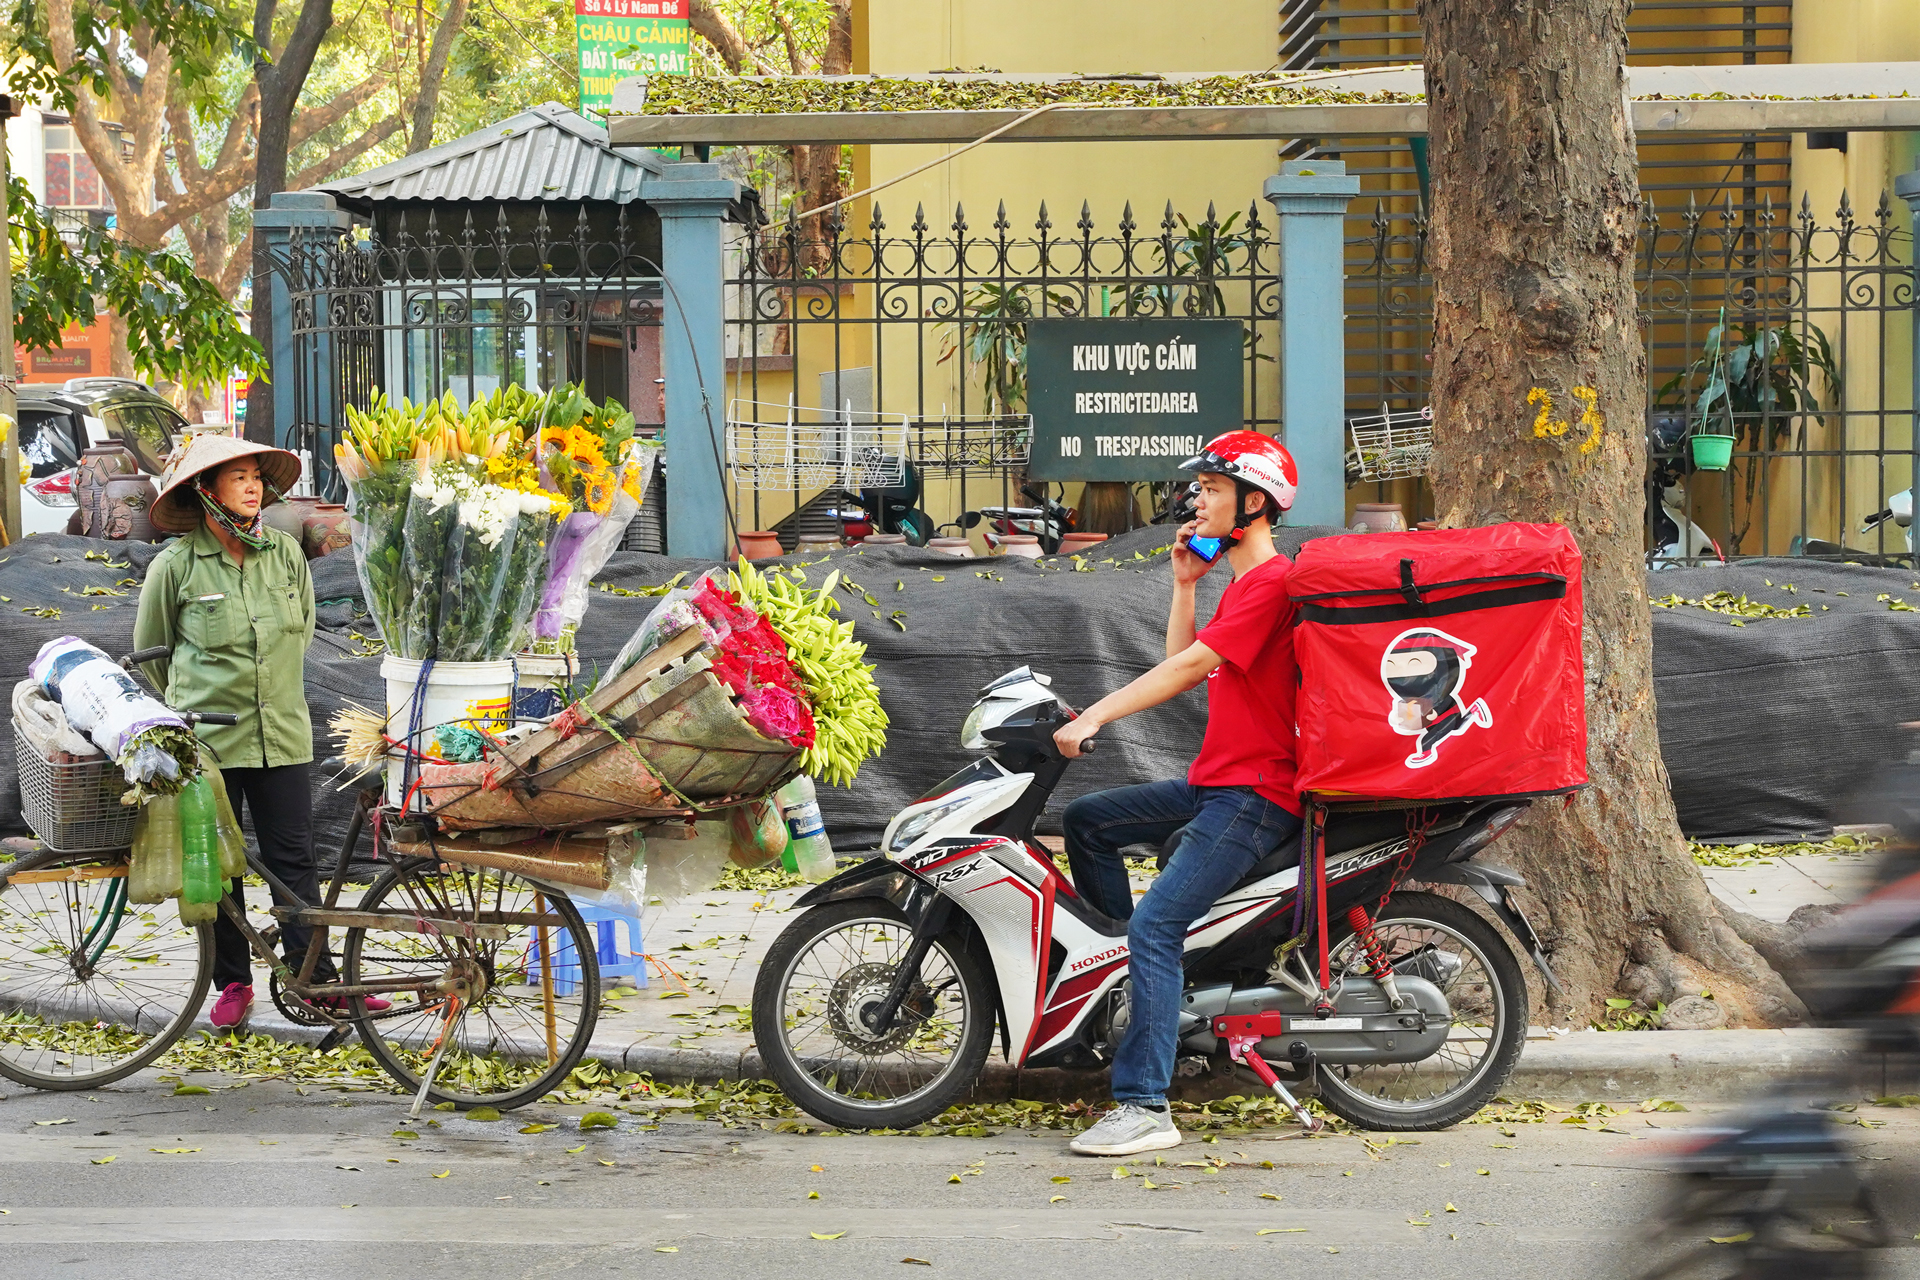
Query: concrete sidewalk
692	1022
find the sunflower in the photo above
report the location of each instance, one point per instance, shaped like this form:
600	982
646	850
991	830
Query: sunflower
600	488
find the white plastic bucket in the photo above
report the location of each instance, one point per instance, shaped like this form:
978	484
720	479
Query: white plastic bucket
478	695
546	680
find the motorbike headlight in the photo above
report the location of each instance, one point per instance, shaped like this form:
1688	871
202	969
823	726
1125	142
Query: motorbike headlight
912	826
970	736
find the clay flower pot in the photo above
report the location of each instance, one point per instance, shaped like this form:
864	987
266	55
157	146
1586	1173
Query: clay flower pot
760	544
325	530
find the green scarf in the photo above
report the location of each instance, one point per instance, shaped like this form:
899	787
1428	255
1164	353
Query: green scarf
252	534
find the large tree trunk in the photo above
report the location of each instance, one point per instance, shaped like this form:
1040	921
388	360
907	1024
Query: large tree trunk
1535	202
281	80
816	168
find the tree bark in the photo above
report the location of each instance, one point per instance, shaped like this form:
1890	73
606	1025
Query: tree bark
713	27
281	80
1535	201
816	169
427	104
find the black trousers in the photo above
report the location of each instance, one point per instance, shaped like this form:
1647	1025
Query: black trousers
278	802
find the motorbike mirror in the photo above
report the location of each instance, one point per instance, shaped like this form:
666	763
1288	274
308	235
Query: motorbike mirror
970	519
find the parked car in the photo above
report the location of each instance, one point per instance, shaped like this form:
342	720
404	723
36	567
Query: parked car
58	423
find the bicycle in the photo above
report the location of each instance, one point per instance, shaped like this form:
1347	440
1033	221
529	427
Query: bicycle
493	978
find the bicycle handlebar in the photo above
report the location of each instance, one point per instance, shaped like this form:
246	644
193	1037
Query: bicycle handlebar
210	717
142	656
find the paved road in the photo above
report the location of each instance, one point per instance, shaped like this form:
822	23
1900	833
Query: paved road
261	1180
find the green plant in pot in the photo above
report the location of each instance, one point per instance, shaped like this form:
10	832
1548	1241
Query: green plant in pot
1753	381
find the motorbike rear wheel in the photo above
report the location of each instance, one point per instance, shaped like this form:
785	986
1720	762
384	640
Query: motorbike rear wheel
821	973
1488	994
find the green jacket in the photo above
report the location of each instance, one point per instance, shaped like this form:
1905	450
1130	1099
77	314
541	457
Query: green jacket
238	635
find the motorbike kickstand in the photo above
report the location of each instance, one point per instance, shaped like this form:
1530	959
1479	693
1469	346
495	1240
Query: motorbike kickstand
1243	1035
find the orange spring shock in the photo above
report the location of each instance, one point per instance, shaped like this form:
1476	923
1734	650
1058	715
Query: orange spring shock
1369	940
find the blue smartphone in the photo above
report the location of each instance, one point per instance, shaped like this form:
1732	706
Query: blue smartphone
1207	549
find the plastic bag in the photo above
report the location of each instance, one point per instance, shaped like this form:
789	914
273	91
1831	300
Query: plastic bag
40	720
432	512
154	873
376	515
526	578
474	575
674	614
595	550
759	834
678	869
626	873
103	702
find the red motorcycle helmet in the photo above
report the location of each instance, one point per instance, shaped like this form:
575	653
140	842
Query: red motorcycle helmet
1252	458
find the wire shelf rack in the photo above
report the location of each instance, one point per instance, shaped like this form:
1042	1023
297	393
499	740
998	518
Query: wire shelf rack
782	448
949	444
1391	445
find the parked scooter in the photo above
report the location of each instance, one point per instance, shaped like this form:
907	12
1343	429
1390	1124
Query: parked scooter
1678	543
1050	521
889	509
875	1008
1899	510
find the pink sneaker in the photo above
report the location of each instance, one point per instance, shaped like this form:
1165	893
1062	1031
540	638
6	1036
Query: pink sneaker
341	1004
230	1010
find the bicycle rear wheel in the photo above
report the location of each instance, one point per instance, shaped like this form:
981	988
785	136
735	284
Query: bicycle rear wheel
92	987
536	970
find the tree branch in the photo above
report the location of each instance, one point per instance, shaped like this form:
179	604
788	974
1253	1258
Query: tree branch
427	103
720	33
308	121
342	156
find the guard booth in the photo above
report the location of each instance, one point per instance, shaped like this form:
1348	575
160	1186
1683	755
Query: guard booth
523	253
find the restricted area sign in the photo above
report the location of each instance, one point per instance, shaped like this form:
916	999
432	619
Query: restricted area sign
621	38
1116	399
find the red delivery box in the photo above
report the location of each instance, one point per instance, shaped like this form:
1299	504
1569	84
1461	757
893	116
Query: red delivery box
1440	665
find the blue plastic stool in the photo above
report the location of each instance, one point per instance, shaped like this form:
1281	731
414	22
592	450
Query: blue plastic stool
614	963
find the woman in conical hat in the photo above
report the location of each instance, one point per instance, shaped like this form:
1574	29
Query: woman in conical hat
232	601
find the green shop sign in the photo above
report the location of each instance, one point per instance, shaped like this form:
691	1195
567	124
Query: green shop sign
1129	399
621	38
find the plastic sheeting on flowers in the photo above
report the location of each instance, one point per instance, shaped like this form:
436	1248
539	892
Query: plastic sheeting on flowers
151	744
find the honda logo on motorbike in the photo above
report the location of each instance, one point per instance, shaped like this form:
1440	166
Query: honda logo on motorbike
1112	953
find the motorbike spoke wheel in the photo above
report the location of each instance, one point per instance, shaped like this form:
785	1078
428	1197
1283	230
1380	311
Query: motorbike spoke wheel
1446	943
814	999
512	1045
92	987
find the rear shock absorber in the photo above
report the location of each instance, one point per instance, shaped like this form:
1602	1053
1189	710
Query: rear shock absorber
1376	954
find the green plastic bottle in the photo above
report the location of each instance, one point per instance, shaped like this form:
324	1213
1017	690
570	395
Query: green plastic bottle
200	838
155	873
233	843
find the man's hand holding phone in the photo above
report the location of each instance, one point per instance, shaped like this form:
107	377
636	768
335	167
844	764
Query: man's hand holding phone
1191	562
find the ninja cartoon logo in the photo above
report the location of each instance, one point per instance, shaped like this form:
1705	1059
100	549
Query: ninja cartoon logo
1423	670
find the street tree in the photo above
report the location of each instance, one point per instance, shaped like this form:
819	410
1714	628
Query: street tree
1535	202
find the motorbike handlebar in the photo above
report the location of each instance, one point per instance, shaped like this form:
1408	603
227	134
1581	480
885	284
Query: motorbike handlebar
1087	746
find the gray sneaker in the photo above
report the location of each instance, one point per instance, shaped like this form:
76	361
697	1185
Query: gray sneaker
1127	1130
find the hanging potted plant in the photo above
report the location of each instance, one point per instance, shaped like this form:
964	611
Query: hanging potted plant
1752	375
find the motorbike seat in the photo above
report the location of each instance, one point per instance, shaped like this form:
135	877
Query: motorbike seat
1348	830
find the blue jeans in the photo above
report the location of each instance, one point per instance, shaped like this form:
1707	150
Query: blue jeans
1223	832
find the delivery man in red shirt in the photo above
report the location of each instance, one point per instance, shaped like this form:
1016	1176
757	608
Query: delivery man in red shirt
1237	803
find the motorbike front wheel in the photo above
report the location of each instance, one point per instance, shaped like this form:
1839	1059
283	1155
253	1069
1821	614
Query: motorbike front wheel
1436	938
836	963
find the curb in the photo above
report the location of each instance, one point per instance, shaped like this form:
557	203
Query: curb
1586	1066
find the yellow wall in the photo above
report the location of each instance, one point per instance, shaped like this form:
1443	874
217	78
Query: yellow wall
1858	31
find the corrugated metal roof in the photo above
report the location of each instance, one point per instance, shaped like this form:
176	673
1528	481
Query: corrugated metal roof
545	153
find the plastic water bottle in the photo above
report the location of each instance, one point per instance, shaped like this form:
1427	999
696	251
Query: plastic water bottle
200	838
155	874
812	852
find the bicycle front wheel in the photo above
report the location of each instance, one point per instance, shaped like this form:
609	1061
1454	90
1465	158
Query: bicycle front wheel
92	987
531	962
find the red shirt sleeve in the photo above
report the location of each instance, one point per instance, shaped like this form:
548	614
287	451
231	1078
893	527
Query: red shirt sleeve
1246	621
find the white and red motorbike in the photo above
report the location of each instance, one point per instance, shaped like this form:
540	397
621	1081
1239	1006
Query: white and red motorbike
875	1008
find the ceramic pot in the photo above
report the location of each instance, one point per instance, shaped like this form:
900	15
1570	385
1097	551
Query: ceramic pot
289	516
816	543
884	540
959	548
97	468
760	544
129	501
325	530
1075	544
1378	517
1024	545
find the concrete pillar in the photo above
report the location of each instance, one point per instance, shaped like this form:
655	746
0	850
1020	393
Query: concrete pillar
1310	197
691	199
305	383
1907	187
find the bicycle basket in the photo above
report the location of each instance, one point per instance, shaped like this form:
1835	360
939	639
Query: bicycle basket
1391	445
73	808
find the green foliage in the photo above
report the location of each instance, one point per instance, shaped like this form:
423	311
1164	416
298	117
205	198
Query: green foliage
994	338
1752	376
201	36
178	326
